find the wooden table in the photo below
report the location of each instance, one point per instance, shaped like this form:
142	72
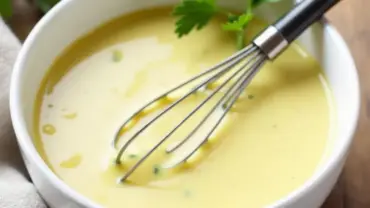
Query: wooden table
352	19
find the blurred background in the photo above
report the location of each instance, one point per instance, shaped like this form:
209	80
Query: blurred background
22	15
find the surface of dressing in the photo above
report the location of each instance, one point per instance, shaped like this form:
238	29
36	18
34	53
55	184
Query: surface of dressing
268	146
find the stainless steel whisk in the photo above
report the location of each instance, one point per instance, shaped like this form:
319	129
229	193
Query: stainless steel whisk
266	46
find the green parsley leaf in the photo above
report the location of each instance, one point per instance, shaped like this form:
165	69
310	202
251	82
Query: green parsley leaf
232	17
239	23
46	5
197	13
238	26
6	8
256	3
193	14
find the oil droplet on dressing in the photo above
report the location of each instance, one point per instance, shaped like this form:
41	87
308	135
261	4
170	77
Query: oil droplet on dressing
48	129
70	115
72	162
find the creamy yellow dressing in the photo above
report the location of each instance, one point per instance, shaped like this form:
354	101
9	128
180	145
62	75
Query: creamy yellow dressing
270	144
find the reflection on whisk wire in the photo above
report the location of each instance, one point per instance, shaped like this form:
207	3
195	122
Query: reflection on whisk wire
243	66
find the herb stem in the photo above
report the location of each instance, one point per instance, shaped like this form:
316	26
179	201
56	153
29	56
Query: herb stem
249	9
240	39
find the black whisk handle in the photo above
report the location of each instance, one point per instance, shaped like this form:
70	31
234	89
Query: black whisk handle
302	16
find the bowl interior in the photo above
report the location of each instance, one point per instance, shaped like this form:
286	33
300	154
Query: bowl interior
66	23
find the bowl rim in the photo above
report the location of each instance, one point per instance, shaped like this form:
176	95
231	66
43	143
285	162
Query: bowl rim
25	139
336	157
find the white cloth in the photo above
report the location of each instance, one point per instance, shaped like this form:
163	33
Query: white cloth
16	189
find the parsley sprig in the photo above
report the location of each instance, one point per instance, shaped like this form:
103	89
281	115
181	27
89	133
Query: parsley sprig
6	9
195	14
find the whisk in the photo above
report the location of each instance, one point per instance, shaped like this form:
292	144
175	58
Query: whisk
245	63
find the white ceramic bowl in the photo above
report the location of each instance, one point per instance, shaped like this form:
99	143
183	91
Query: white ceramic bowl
72	18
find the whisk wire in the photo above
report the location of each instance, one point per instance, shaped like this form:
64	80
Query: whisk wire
231	95
238	91
168	135
267	45
234	89
234	59
218	74
227	93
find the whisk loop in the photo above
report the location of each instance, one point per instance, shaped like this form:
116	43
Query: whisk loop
250	60
243	66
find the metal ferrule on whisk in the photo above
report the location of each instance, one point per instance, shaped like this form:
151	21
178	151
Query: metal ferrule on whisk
271	42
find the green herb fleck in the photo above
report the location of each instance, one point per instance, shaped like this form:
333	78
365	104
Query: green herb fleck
187	193
50	106
224	106
117	56
250	97
156	169
132	156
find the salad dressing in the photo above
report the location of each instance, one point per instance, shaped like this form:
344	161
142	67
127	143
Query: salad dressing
271	143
